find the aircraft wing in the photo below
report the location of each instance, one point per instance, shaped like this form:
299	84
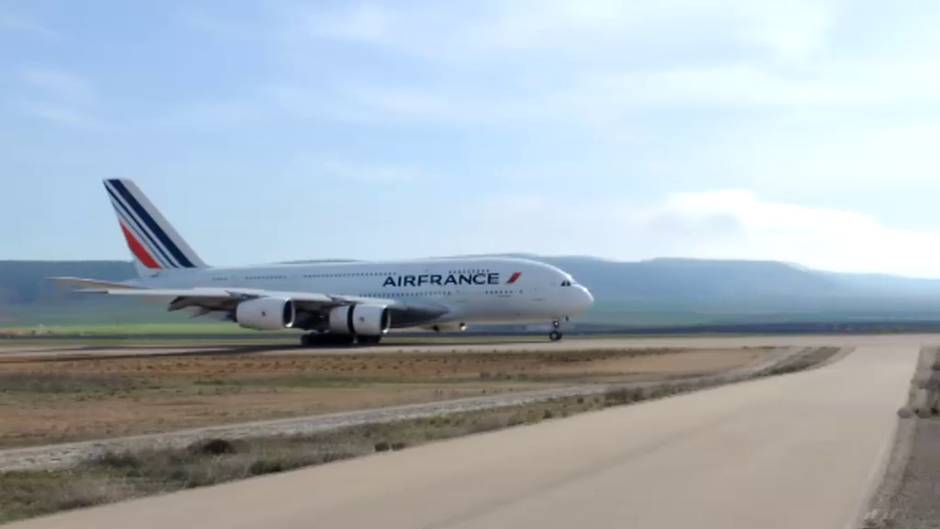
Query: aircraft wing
94	286
91	283
218	298
221	299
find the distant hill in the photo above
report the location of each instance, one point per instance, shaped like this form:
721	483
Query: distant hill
658	292
23	282
27	298
688	291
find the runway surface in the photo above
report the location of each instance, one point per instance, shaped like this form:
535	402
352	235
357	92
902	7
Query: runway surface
800	450
482	345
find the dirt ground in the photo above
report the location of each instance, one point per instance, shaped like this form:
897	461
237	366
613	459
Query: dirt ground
46	397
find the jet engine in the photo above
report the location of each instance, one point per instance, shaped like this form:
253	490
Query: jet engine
266	314
360	320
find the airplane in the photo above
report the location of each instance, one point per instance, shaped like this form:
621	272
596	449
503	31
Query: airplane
336	302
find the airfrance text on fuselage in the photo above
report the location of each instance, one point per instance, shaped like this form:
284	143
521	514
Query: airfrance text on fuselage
491	278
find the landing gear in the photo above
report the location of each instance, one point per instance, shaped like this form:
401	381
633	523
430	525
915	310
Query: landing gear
327	339
368	340
555	335
314	339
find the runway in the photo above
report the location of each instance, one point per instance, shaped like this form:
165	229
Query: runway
482	345
800	450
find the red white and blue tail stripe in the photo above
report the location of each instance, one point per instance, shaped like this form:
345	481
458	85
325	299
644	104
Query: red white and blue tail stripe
153	242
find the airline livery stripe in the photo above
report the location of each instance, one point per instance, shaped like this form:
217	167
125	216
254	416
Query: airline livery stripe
137	249
150	223
136	225
127	227
128	221
133	211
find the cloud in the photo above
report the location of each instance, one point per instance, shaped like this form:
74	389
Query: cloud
60	115
352	103
586	64
843	85
361	22
59	96
602	99
21	24
589	63
59	84
216	114
253	26
723	224
792	31
344	171
492	29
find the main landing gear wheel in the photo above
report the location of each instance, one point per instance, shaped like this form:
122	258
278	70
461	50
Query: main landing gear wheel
325	339
368	340
554	336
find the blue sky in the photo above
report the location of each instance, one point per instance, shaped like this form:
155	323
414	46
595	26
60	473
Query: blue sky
804	131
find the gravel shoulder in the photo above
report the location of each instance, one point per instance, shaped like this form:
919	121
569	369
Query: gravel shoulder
906	496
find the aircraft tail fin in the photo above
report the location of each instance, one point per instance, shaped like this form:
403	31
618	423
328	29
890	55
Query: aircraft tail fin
151	239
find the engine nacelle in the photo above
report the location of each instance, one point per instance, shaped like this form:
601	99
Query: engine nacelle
361	320
266	314
448	327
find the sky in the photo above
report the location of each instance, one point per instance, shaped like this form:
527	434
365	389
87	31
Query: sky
802	131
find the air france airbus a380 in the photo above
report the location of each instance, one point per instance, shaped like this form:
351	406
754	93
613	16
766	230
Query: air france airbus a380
339	302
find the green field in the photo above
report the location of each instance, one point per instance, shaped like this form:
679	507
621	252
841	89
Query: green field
138	329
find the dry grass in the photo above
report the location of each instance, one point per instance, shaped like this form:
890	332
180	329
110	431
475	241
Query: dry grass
809	358
47	399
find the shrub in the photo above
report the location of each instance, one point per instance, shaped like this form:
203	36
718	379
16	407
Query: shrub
214	447
266	466
119	461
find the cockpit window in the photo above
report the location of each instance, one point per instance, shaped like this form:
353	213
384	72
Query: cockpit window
566	283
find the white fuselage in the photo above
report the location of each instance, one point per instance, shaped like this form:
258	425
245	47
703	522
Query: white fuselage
472	290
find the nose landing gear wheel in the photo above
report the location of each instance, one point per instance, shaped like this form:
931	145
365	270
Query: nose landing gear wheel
554	336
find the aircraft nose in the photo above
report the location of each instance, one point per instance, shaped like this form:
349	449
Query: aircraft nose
585	299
